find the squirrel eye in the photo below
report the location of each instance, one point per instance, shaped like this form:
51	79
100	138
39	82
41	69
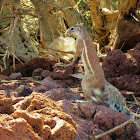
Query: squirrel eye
72	29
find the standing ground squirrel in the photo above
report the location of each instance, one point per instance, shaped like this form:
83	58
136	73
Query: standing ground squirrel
94	85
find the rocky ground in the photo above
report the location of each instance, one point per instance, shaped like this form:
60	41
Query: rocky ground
37	101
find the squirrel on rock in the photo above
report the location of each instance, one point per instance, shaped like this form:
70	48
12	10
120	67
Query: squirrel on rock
94	85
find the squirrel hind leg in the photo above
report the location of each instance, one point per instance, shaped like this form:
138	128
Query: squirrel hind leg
97	95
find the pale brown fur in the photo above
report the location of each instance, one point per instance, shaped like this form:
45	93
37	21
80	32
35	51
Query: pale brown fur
94	85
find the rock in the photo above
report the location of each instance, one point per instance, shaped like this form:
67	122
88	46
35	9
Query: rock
35	120
23	90
41	89
97	131
37	72
50	122
37	101
79	68
106	119
46	132
16	76
88	109
116	64
17	99
6	106
49	82
63	129
60	94
122	70
16	129
3	77
135	51
45	117
62	74
69	82
44	62
72	96
138	135
127	82
46	73
55	94
128	31
84	123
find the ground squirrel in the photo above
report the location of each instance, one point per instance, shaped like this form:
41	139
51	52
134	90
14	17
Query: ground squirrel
94	85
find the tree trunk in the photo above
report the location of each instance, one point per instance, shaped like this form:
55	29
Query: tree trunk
99	25
127	7
55	17
13	40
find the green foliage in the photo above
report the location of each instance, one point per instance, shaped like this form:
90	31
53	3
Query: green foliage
84	8
115	3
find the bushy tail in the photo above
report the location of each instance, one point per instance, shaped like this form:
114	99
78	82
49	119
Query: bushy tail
113	97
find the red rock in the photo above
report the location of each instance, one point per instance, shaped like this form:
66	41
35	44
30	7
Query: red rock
72	96
70	108
97	131
6	105
35	120
46	73
46	132
37	72
135	51
106	119
85	125
116	64
14	129
55	94
50	122
17	99
60	94
128	31
3	77
46	118
41	89
122	70
127	82
23	90
138	135
62	130
16	76
44	62
88	109
62	74
68	82
37	101
49	82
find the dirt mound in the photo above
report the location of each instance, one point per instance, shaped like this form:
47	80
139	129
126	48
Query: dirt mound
36	117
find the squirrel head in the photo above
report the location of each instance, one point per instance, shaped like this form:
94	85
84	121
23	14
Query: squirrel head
76	31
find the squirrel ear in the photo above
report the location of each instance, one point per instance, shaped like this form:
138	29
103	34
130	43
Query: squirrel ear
79	28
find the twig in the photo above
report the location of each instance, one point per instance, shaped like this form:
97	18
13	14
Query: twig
131	120
12	38
44	44
114	129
